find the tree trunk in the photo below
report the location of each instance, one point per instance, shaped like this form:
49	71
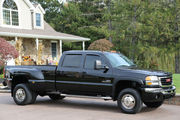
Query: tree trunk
109	21
176	40
177	62
134	34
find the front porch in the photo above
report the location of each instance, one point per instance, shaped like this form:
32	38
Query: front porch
41	51
44	46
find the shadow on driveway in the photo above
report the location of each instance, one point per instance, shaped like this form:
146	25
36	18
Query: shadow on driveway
85	104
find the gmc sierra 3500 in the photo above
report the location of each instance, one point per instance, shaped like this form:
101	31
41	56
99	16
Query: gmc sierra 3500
106	75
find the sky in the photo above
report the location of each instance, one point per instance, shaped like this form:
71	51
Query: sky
62	1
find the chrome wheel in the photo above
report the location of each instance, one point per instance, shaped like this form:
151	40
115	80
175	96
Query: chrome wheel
20	95
128	101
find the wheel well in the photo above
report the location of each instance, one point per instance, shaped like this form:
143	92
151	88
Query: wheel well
126	84
18	80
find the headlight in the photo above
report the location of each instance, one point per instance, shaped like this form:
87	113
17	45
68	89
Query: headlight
152	80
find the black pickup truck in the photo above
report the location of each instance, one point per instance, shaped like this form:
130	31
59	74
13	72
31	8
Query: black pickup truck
106	75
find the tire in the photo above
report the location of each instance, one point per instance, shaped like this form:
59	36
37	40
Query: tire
22	95
56	97
153	104
34	96
129	101
4	83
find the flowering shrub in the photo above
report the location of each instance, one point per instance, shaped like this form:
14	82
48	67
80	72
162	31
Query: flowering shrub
101	45
26	58
7	51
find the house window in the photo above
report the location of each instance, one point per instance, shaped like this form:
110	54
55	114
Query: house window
54	50
38	19
10	13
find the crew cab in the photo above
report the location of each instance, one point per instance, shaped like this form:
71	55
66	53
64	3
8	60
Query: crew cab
105	75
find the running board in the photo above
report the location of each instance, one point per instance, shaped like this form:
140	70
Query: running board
82	96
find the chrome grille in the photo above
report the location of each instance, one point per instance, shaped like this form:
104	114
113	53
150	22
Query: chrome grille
166	80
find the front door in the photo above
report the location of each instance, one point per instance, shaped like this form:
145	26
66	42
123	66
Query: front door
96	81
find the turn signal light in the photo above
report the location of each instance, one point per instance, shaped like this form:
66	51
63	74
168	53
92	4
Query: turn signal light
149	83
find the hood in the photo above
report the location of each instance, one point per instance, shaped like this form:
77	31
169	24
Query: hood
143	71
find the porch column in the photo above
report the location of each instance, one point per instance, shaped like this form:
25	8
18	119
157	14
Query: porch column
37	47
19	48
60	49
37	44
83	45
16	39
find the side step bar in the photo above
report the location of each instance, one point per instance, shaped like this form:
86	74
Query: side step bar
82	96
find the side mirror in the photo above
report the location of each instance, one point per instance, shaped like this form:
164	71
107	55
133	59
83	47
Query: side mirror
98	65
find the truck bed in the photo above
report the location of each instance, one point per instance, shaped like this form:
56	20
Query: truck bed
37	72
39	67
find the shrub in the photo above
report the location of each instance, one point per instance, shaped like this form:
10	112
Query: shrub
1	69
7	51
101	45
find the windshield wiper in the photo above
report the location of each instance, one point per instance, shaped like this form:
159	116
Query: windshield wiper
123	66
127	66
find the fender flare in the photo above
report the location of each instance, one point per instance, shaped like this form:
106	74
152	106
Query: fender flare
139	81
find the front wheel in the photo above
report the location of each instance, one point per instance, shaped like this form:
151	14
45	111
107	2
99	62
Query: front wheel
129	101
153	104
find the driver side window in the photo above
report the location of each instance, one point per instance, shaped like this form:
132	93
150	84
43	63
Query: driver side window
90	61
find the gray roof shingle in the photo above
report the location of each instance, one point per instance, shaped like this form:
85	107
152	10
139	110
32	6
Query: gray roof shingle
47	33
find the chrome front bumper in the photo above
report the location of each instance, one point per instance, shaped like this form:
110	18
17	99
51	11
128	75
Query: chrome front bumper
171	90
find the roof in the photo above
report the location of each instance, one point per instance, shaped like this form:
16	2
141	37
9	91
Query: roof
85	51
47	33
40	7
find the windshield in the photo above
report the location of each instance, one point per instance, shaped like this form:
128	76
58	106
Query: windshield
119	60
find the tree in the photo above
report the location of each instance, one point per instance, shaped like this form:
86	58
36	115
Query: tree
145	30
7	51
101	45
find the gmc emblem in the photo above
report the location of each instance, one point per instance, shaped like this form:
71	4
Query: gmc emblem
168	80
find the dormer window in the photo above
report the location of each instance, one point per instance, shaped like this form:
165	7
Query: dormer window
38	19
10	13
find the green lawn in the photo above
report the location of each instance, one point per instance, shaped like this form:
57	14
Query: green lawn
176	80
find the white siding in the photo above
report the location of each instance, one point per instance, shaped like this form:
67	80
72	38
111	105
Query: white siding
1	12
38	10
25	18
24	15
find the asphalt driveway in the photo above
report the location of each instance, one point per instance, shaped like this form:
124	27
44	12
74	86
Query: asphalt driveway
79	109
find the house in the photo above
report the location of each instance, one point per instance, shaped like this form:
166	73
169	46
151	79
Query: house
22	24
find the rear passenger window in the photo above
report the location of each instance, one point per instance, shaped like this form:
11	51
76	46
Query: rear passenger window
90	61
72	61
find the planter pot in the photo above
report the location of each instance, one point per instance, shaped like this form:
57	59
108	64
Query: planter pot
27	63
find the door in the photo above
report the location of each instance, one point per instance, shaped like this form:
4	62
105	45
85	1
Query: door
69	73
96	81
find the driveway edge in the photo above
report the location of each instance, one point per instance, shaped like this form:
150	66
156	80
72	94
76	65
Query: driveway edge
173	101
